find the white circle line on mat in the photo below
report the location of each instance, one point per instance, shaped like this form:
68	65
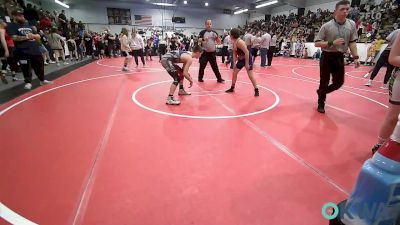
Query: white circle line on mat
134	99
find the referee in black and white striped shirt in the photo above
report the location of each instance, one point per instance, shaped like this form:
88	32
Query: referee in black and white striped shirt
335	37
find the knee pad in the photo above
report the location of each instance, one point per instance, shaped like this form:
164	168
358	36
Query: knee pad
177	79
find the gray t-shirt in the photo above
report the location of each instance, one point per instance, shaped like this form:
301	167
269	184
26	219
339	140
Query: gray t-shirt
247	39
209	45
391	39
332	30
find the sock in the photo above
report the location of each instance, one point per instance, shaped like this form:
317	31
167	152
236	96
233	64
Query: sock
181	86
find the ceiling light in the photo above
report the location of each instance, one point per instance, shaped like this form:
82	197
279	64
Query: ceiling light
266	4
185	2
240	11
163	4
61	3
206	4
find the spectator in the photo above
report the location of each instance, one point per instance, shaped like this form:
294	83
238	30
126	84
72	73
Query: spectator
31	15
56	43
27	49
63	22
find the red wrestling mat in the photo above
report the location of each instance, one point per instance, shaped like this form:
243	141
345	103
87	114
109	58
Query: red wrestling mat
100	146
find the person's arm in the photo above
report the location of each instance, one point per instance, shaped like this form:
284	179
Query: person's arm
217	38
141	42
320	40
243	47
234	53
353	47
201	36
186	67
4	43
125	42
394	57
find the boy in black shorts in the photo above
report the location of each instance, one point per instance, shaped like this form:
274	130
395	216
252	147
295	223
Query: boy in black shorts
169	61
242	57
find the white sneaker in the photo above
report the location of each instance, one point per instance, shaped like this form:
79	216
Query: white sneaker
45	82
172	101
52	62
28	86
385	86
66	63
183	92
125	68
369	83
46	63
366	75
4	71
145	66
17	79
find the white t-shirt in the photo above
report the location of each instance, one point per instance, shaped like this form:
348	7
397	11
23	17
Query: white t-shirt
265	40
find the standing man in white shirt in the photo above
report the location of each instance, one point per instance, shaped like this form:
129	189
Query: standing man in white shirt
272	48
225	42
137	46
265	42
247	39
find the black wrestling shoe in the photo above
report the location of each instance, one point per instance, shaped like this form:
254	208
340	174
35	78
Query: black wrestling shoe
375	148
230	90
321	108
256	92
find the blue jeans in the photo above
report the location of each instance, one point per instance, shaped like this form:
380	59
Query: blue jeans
263	53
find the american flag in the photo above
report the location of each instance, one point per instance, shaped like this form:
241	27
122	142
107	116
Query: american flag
143	20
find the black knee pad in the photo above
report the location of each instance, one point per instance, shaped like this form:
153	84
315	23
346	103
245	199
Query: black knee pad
177	79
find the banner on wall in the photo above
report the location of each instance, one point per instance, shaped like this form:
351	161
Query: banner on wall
143	20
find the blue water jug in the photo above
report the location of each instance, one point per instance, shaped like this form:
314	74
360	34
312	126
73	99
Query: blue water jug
375	199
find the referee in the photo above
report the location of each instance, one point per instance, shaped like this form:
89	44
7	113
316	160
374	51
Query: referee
209	38
335	37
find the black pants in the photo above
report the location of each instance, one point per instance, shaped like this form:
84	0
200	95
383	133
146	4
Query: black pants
224	53
254	53
331	63
383	59
162	49
29	62
270	54
10	61
89	49
137	53
204	59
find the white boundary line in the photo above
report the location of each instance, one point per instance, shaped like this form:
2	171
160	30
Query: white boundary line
360	89
315	82
134	99
12	217
281	147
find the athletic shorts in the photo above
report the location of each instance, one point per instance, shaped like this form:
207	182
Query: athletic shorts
242	62
173	70
394	87
127	54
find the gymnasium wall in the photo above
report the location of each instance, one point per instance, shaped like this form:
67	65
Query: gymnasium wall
95	14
